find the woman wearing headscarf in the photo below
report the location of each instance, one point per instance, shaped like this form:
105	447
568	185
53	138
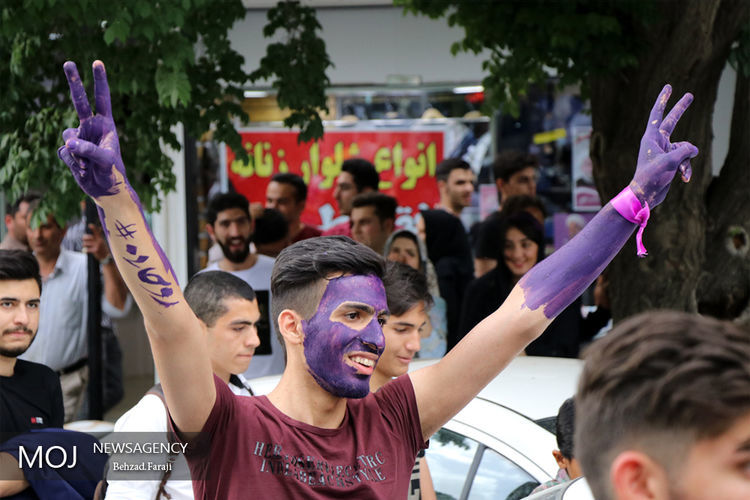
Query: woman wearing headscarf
407	248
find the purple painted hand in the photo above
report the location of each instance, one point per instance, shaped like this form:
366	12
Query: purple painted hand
658	158
92	151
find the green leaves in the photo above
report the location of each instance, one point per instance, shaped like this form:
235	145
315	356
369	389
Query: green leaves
525	40
299	64
22	51
155	78
739	57
118	30
173	86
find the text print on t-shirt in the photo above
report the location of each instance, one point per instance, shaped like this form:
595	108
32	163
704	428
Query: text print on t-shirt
314	472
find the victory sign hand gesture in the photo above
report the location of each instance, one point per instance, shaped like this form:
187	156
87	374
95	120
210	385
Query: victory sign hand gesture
658	158
92	151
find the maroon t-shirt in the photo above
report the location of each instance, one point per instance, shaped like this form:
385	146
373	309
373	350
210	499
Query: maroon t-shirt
258	452
307	232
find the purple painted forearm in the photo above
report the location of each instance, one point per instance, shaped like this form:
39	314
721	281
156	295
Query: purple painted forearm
92	152
559	279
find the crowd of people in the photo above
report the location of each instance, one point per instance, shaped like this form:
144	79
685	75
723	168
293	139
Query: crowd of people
470	271
341	314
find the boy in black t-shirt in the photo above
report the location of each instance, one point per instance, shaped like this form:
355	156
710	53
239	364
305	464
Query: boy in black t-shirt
30	395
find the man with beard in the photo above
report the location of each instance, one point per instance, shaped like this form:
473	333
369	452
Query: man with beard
30	394
230	225
320	433
31	399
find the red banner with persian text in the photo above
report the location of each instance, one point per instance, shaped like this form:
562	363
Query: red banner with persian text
405	160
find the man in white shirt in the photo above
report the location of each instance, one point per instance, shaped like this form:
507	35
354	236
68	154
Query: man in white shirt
231	226
228	309
62	339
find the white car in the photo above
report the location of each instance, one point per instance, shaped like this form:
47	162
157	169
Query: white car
577	489
500	445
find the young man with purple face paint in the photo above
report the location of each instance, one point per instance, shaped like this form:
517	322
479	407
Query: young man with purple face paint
348	327
320	433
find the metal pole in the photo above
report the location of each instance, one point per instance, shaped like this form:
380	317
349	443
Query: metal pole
94	321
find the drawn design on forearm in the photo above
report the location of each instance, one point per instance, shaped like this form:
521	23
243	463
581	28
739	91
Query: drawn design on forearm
92	152
124	229
147	275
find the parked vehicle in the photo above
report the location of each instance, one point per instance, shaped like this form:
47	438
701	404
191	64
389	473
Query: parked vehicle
500	445
576	489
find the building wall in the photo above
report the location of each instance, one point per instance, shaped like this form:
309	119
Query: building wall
367	44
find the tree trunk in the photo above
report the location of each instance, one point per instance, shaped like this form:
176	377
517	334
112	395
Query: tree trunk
724	287
688	47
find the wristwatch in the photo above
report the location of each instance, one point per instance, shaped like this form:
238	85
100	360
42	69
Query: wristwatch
106	260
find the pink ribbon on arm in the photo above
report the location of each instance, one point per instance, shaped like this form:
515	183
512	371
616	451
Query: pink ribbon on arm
630	208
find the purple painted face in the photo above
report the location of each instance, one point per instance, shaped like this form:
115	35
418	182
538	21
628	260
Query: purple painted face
344	338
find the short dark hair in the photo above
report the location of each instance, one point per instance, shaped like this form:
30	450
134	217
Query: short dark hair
565	428
363	172
12	208
510	162
225	201
445	167
294	180
385	206
301	268
270	227
659	382
207	291
405	287
19	265
522	202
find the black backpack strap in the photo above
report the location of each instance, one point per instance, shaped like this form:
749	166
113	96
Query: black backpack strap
159	392
238	382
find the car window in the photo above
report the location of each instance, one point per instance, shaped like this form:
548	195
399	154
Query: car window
453	458
449	457
499	478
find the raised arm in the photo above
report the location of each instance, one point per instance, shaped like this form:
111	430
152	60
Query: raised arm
115	289
92	152
445	387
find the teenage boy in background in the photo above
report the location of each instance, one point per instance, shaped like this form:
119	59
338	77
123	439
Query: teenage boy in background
409	302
